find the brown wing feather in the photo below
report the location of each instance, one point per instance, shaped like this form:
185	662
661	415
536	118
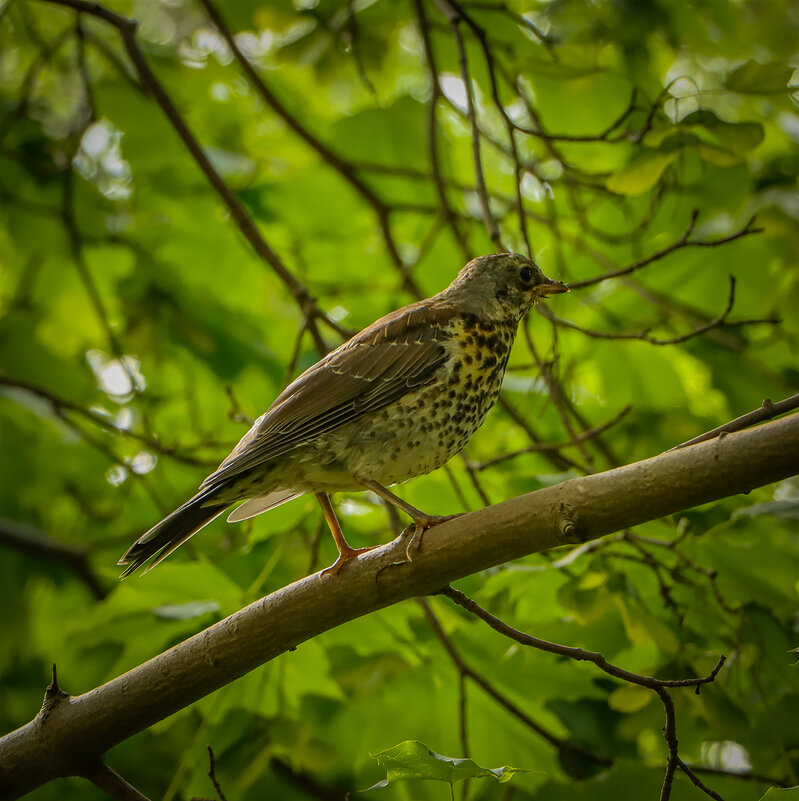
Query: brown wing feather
371	370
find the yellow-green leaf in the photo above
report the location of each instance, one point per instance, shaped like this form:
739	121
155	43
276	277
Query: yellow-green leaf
641	174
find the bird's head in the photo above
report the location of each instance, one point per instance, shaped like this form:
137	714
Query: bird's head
507	284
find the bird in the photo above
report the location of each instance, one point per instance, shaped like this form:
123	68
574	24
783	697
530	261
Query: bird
395	401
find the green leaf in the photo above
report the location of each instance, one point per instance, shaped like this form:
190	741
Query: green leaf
641	174
630	698
753	78
737	136
414	760
718	156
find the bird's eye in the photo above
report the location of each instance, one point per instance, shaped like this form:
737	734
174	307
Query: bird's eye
526	274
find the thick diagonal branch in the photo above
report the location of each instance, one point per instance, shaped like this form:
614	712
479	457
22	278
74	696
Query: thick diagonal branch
79	730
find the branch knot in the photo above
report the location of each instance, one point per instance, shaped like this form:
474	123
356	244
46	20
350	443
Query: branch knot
53	697
569	530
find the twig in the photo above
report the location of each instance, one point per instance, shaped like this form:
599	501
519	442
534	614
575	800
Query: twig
767	411
454	18
658	686
465	670
510	126
644	336
112	783
61	406
86	277
127	30
30	540
350	35
579	654
738	774
432	129
212	774
556	394
520	19
603	136
556	446
670	736
332	159
691	774
46	51
684	241
556	458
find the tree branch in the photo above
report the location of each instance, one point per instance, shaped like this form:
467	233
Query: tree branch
28	539
565	748
540	447
62	407
79	731
331	158
149	81
109	780
644	335
454	18
658	686
767	411
684	241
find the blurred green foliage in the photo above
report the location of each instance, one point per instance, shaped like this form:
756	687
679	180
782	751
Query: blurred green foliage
138	329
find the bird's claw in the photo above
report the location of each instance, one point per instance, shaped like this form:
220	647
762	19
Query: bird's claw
420	526
344	557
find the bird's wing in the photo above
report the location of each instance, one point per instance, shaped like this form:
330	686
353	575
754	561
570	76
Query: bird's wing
376	367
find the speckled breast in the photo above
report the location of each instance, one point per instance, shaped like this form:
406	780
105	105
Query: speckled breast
426	428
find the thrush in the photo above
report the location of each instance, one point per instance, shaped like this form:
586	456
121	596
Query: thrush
397	400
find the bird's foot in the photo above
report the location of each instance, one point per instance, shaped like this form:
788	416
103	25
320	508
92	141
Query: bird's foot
421	524
344	556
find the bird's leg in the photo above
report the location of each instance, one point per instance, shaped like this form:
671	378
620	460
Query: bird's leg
345	552
421	521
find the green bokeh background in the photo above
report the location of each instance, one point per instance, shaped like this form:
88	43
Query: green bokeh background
158	309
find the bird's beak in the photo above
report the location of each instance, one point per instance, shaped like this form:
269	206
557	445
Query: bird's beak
552	288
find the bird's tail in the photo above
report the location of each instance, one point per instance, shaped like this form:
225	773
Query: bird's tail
171	532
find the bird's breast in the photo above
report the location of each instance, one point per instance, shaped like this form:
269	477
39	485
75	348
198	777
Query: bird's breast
429	425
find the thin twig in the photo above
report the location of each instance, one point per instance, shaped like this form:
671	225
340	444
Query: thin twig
61	406
432	133
464	669
579	654
28	539
767	411
510	126
684	241
212	774
127	30
112	783
659	686
644	336
332	159
691	774
556	394
738	774
454	18
556	446
520	19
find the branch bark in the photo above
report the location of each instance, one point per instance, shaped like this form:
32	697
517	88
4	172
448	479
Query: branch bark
77	731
